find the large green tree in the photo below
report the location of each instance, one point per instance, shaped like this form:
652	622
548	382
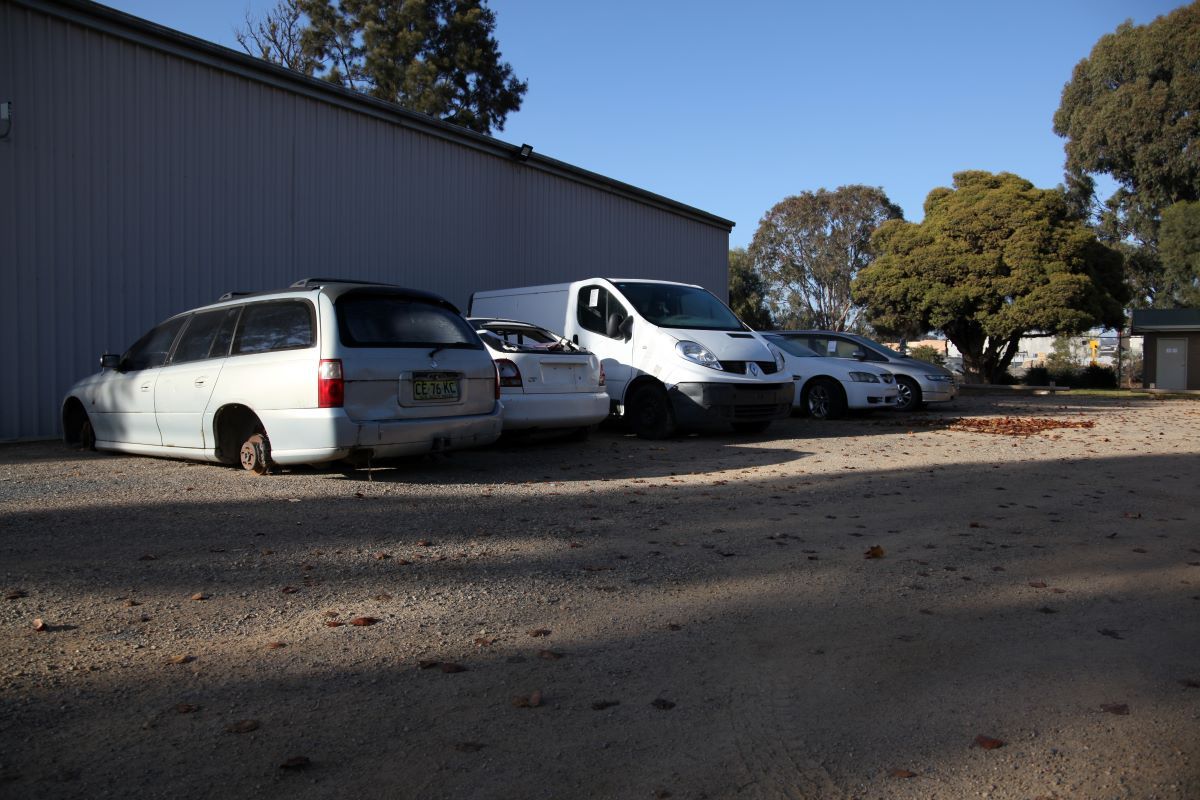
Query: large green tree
809	247
747	292
994	259
1179	247
438	57
1132	111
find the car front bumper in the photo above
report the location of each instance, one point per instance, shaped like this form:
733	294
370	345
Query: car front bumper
862	395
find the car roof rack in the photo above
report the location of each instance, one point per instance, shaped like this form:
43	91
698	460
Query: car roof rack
305	283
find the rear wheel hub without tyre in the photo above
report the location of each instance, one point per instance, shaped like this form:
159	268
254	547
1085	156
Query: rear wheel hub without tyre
256	454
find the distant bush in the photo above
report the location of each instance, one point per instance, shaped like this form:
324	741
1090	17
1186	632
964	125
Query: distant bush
1090	377
1037	376
1095	376
928	353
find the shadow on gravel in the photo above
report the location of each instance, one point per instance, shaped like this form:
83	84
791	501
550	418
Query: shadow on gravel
794	664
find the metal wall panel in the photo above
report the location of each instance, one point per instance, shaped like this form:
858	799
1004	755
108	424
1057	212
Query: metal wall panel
141	179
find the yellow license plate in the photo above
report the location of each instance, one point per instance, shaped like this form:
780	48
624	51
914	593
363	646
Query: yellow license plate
430	389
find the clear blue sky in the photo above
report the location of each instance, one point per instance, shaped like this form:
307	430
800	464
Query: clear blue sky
732	106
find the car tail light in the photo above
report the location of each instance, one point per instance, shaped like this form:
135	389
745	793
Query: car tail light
509	374
601	374
331	389
496	379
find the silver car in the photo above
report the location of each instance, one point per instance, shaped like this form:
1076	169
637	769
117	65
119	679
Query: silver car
326	370
918	382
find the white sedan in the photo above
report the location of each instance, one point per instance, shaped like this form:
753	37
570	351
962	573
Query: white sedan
827	387
546	382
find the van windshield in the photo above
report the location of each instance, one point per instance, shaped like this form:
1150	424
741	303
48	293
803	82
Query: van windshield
673	306
389	320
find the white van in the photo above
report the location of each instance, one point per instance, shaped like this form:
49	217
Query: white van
674	355
326	370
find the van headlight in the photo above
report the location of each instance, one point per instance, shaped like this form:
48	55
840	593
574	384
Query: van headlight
778	355
698	354
864	377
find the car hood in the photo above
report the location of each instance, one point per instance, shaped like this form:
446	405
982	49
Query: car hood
916	363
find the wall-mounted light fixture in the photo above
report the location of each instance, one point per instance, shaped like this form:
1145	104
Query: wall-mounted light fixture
5	118
524	152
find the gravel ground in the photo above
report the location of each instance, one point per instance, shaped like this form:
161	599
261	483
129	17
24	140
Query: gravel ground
695	618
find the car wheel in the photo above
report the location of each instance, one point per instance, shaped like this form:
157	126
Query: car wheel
650	414
910	394
255	454
751	427
824	399
87	434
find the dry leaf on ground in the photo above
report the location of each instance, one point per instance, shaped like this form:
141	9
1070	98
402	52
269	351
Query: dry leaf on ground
243	726
296	762
874	551
539	632
363	621
987	742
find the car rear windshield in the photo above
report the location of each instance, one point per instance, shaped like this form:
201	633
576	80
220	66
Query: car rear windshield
523	339
389	320
674	306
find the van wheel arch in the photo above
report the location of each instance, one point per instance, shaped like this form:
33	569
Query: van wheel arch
648	410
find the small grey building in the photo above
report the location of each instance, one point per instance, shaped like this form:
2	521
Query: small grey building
1171	357
144	172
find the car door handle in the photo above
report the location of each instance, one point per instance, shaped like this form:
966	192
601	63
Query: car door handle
145	387
200	382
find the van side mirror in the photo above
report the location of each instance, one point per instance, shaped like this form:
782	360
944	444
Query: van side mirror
110	361
626	328
616	325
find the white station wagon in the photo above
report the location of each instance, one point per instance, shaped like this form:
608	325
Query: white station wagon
327	370
546	382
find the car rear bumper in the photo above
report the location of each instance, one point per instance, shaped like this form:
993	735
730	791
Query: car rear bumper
699	405
310	436
554	410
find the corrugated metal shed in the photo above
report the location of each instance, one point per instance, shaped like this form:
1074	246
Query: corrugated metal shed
145	172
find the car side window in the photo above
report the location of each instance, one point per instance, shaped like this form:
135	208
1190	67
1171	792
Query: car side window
151	350
200	340
266	327
596	304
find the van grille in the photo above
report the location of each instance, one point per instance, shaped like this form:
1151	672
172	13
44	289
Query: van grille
756	411
739	367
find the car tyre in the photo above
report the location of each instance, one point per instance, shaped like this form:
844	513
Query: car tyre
824	399
87	434
255	455
650	414
909	398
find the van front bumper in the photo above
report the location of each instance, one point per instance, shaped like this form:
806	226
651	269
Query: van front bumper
701	405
